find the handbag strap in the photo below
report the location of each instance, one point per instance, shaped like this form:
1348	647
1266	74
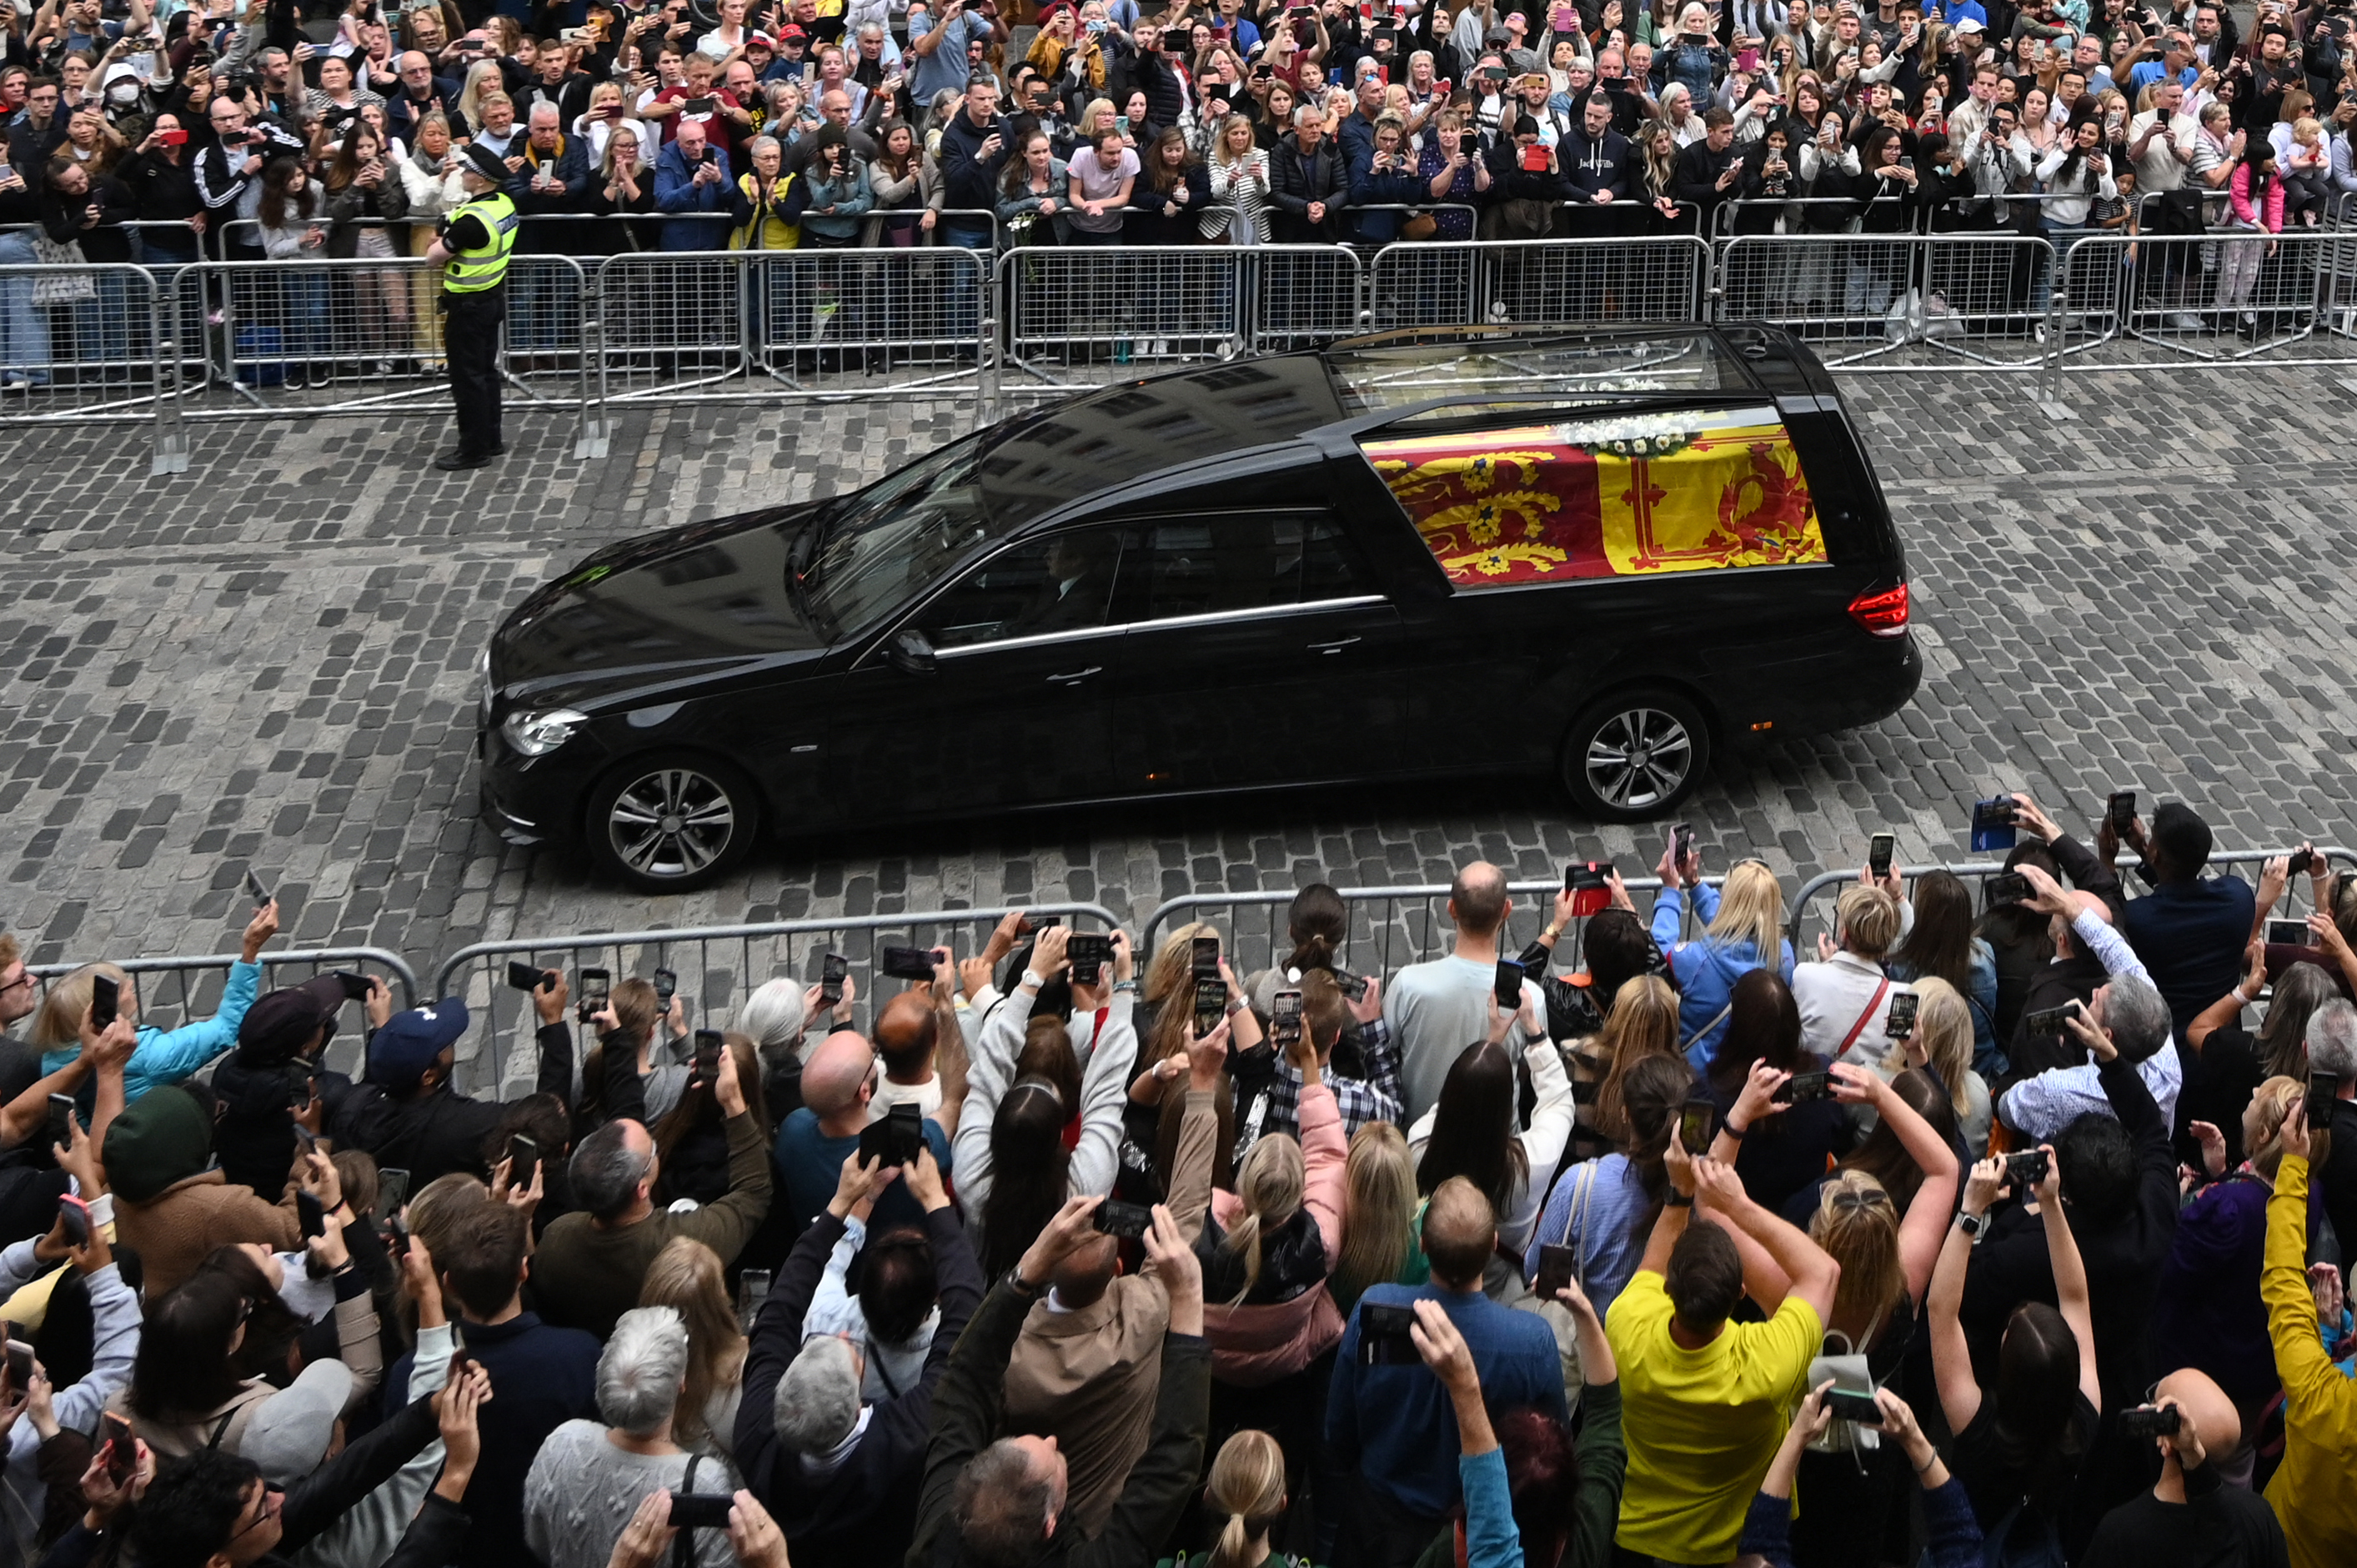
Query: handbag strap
1881	986
1580	1222
682	1545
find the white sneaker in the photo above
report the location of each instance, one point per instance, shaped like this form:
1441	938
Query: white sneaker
1499	316
2186	321
1158	347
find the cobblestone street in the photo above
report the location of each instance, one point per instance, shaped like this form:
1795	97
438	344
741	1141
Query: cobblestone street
268	660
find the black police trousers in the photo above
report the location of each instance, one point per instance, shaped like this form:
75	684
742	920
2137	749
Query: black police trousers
470	337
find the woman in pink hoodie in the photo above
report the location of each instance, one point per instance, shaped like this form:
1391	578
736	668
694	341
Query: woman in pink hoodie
2256	195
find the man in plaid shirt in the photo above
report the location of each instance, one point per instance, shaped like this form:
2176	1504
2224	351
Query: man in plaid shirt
1274	1107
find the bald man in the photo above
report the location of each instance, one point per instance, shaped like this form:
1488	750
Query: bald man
1437	1008
907	1030
839	1081
2192	1517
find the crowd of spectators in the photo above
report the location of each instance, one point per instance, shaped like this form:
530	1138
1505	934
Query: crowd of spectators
1992	1238
279	130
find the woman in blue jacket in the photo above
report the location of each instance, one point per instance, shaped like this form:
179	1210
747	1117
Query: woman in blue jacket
1383	174
1745	921
162	1056
1694	55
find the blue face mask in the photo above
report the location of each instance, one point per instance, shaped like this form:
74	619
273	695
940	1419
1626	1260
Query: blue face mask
1095	27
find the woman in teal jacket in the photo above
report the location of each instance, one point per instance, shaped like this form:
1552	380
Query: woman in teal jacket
1744	918
162	1056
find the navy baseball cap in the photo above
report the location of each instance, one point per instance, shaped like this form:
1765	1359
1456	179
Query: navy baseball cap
399	1053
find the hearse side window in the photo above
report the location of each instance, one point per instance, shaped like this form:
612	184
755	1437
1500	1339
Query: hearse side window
1242	561
1061	583
1606	496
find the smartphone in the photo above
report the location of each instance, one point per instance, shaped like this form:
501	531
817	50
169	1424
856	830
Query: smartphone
74	1215
1556	1267
1115	1217
1090	952
701	1511
1352	986
62	1119
906	963
1859	1408
1993	823
1205	955
175	137
1900	1022
596	984
2302	863
1535	158
355	986
2323	1089
831	974
1210	1005
752	1290
524	1160
1493	73
1284	1018
253	887
2048	1020
2027	1168
104	998
1590	894
1697	1120
2290	933
1509	985
896	1139
392	1187
298	1087
666	987
709	1044
525	977
2147	1422
2121	810
397	1235
1384	1336
310	1215
121	1448
2008	887
20	1366
1877	853
1803	1086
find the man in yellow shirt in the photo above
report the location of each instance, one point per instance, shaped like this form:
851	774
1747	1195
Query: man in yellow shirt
1705	1402
2310	1493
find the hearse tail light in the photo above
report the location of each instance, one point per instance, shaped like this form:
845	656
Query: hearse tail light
1882	614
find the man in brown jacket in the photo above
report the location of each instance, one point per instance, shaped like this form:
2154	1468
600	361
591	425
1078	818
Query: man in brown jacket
1088	1363
170	1204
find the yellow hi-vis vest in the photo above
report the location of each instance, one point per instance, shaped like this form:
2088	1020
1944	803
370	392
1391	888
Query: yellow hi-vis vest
472	271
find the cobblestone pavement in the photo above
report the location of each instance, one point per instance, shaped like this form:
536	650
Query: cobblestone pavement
268	658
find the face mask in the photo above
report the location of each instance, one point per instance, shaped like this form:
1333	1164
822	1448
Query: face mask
123	93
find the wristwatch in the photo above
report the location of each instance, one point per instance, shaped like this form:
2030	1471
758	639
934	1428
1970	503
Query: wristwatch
1678	1200
1971	1224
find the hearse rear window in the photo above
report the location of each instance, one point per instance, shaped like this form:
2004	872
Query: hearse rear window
1617	495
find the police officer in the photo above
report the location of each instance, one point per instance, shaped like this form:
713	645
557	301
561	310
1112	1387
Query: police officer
473	247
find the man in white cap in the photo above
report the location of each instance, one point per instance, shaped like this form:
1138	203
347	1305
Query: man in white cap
472	251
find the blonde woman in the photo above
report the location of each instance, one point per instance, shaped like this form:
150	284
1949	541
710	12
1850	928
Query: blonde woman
1643	1022
1746	931
1239	180
1099	117
686	1276
483	79
162	1056
607	114
1245	1496
1380	1209
1943	1041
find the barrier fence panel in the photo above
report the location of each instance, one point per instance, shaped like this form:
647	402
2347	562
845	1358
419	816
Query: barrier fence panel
1814	899
1423	284
2224	298
671	324
180	990
837	321
77	344
1573	282
1388	928
1074	314
1982	297
717	966
1303	297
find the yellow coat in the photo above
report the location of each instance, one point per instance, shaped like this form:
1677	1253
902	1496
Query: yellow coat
766	230
2311	1492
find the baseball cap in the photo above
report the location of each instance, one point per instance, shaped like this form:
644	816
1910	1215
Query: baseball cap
399	1053
289	1434
1968	26
792	34
760	41
281	1023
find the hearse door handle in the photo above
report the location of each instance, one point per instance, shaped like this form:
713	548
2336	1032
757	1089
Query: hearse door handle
1331	648
1075	677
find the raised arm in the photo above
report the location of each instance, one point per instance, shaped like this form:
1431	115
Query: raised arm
1097	1156
1951	1358
1925	1223
2312	1384
1491	1537
2069	1276
1811	1269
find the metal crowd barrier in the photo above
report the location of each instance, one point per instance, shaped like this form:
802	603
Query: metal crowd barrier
169	346
1387	928
191	988
1814	898
717	967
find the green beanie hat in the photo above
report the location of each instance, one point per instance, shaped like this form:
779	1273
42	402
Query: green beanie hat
166	1136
